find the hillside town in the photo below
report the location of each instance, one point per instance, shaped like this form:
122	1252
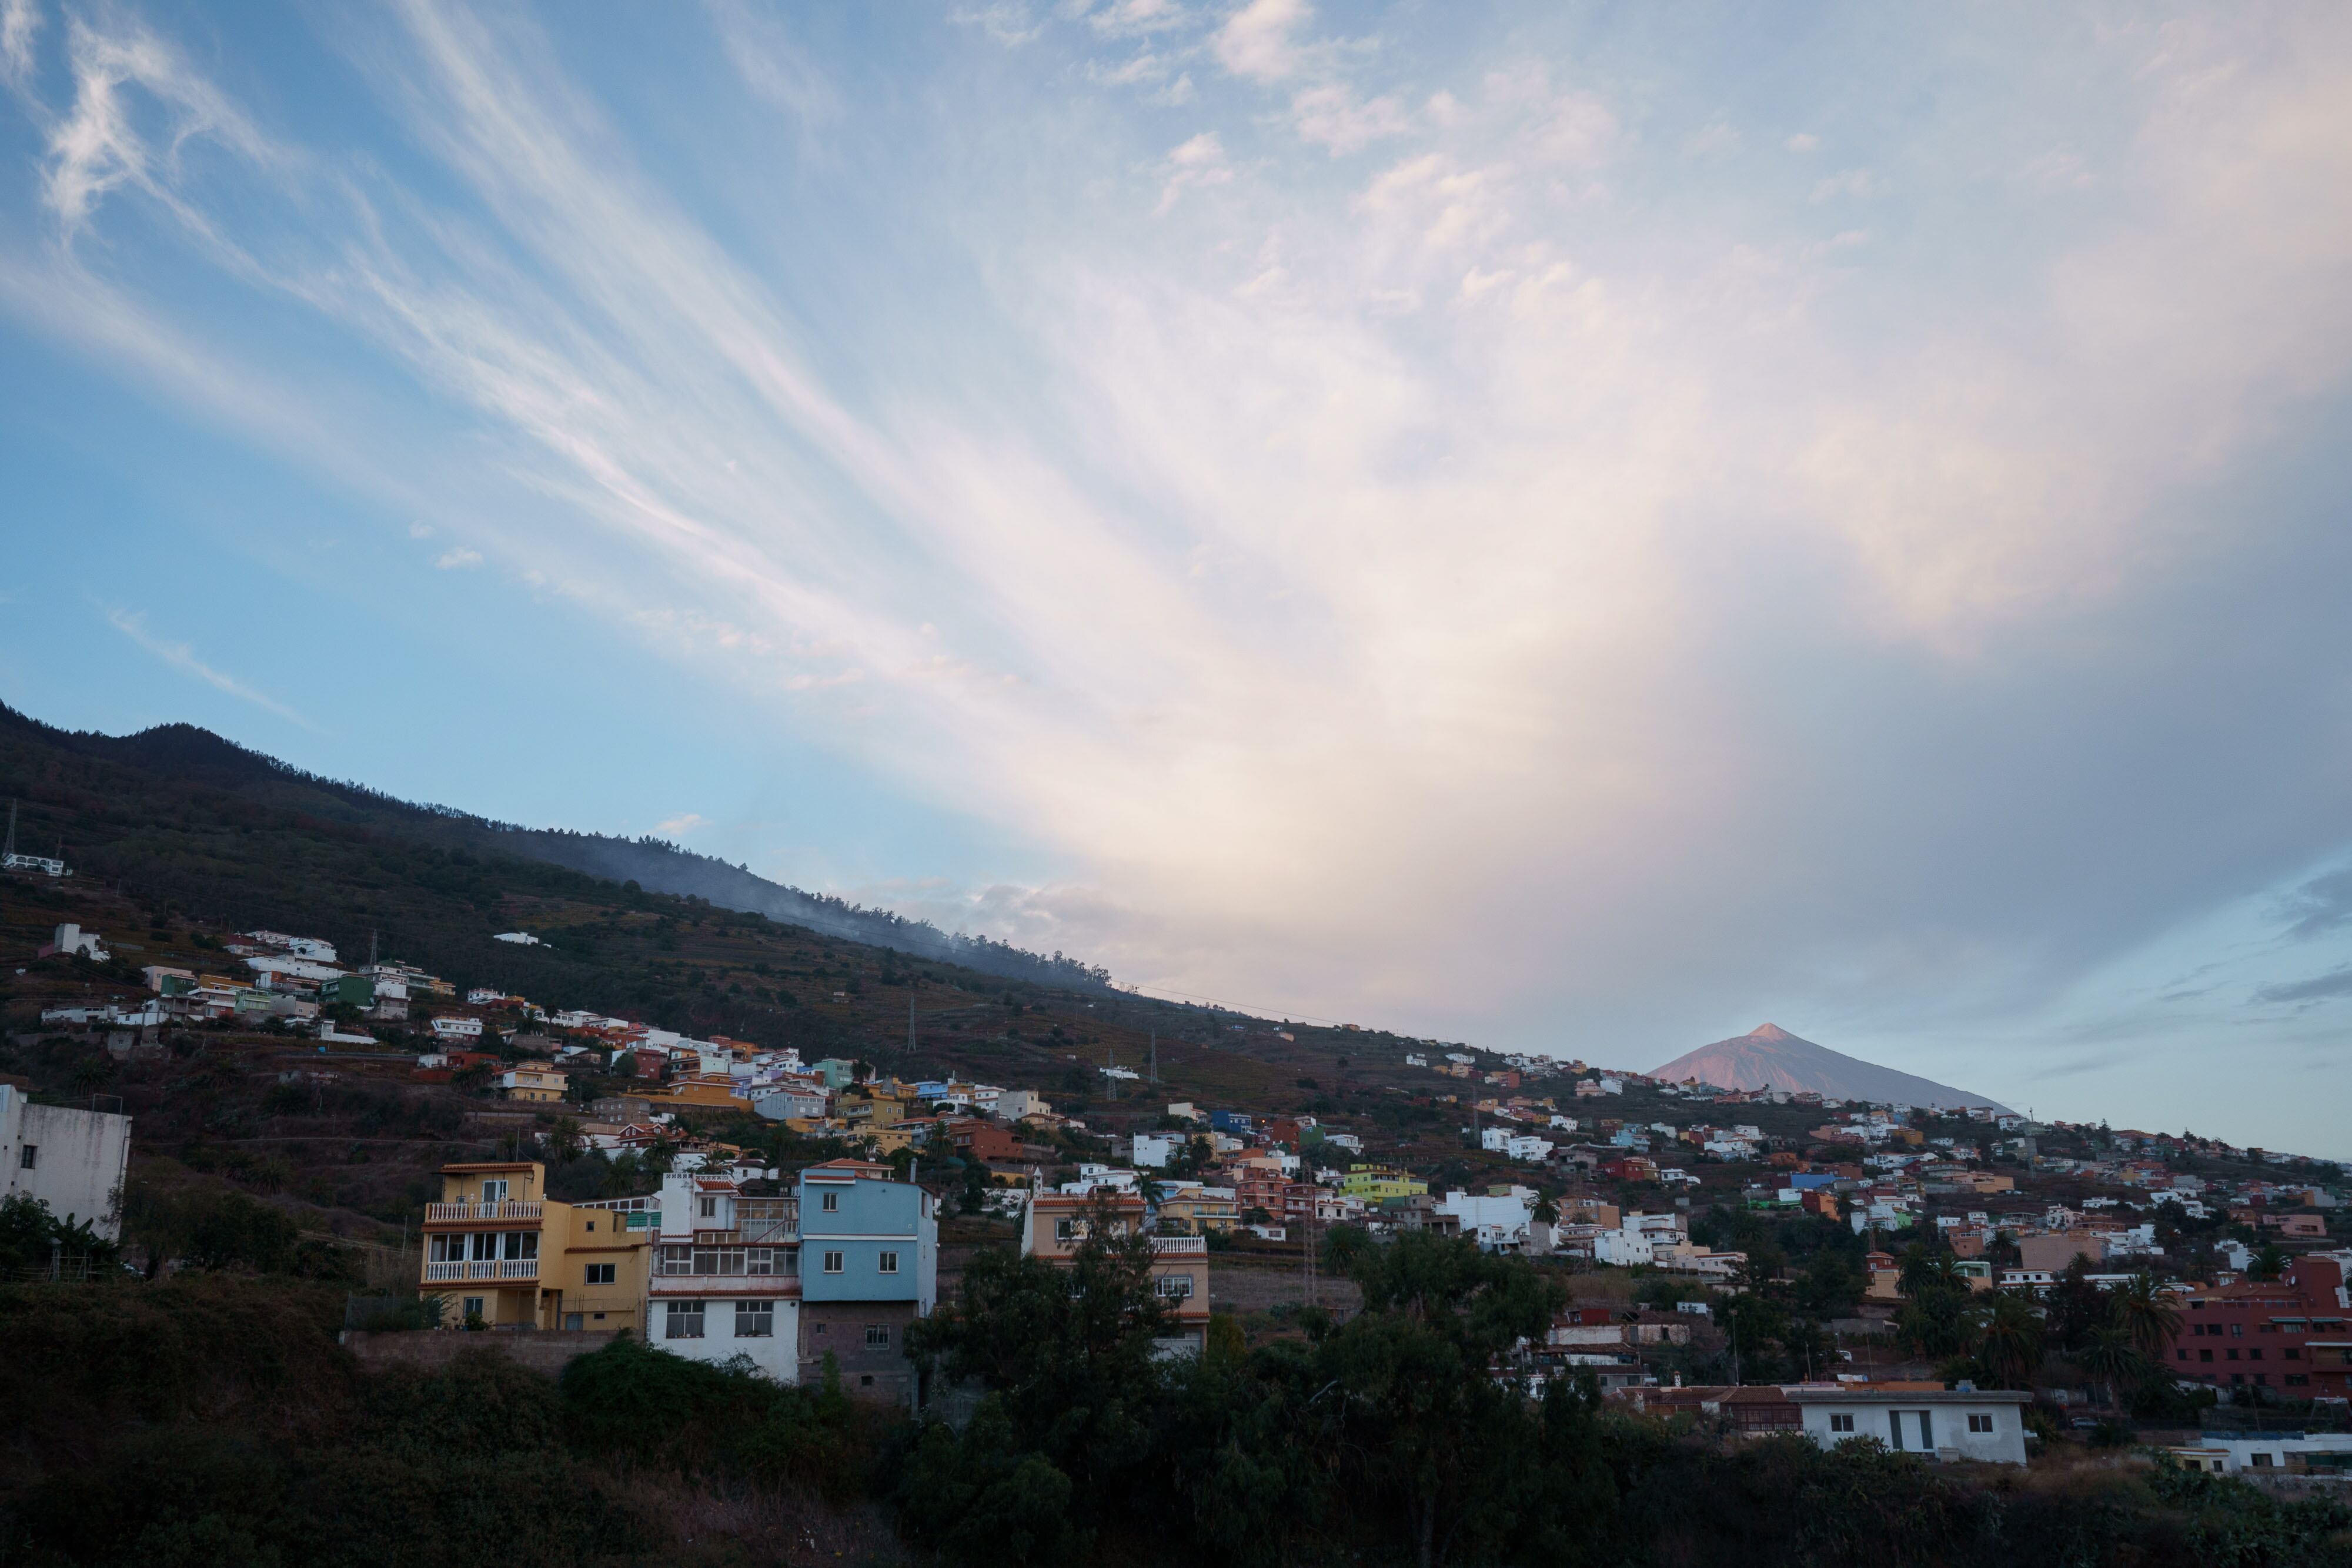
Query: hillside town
1676	1216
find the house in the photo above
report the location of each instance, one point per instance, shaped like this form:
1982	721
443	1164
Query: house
781	1102
978	1139
72	942
1057	1225
71	1159
449	1026
1157	1150
725	1280
1497	1221
543	1085
870	1251
2271	1453
1376	1184
2054	1252
1015	1103
1968	1424
503	1254
1200	1210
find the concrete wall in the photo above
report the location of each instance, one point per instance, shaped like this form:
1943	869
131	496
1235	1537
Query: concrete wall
79	1158
548	1351
867	1372
776	1353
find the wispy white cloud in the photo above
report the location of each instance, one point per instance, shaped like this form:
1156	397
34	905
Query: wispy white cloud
682	825
1426	578
459	558
180	656
20	26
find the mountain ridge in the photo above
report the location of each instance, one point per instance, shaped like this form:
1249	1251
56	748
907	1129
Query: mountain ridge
1771	1056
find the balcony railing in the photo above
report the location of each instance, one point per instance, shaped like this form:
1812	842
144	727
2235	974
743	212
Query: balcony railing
482	1269
1180	1246
505	1209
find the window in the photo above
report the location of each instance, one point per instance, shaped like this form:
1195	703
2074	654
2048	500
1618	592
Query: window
2259	1461
2232	1352
831	1203
1894	1429
2255	1354
677	1259
887	1263
494	1190
521	1244
1841	1421
2204	1356
709	1207
878	1336
2293	1352
2237	1330
574	1320
486	1246
684	1320
31	1158
448	1248
1175	1287
2297	1380
601	1273
755	1320
476	1307
1066	1231
833	1262
760	1261
2183	1354
1979	1423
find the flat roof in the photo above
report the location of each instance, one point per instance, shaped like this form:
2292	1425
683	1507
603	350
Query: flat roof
1904	1396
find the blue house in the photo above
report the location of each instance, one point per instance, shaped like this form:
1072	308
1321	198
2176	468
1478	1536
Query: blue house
869	1267
1236	1123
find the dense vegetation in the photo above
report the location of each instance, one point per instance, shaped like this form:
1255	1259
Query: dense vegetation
212	1418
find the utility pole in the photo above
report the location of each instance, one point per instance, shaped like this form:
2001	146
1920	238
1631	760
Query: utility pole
1155	1056
911	1023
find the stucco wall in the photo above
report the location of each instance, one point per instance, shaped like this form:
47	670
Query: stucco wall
80	1159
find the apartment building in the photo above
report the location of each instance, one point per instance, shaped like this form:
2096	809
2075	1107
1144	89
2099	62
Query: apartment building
869	1268
725	1276
2291	1334
504	1254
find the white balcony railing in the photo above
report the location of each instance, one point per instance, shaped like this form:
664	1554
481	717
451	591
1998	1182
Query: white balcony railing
507	1209
482	1269
1180	1246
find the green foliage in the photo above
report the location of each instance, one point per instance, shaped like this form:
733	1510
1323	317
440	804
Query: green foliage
30	1237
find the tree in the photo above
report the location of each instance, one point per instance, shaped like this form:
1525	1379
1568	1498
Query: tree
2144	1308
2009	1341
2268	1262
2111	1357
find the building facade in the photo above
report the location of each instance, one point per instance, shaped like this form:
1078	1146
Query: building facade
725	1275
503	1255
869	1268
2289	1334
1057	1224
71	1159
1965	1425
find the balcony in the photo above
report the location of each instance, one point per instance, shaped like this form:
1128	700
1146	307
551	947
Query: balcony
1180	1246
504	1209
482	1269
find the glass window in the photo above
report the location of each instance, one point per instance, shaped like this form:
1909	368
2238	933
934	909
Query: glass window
730	1260
476	1307
833	1262
1064	1231
684	1322
888	1263
709	1207
705	1259
755	1320
760	1261
832	1204
521	1244
601	1273
1176	1287
1841	1422
878	1336
29	1158
486	1246
791	1259
677	1259
448	1248
1979	1423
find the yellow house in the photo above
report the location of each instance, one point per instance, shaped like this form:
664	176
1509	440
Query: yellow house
1199	1208
501	1252
543	1084
872	1114
1377	1184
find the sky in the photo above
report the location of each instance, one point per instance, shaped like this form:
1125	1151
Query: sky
1579	529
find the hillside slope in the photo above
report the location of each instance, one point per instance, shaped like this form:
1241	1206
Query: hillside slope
1771	1056
187	754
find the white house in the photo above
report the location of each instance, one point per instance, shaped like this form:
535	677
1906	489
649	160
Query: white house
72	941
1015	1103
1156	1149
2271	1453
70	1159
726	1275
795	1100
450	1027
520	938
1493	1221
1623	1247
1963	1424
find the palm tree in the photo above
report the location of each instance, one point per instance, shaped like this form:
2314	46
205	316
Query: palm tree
2268	1262
2008	1341
2112	1356
2144	1310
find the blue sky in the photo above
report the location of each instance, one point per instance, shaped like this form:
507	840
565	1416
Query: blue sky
1576	528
